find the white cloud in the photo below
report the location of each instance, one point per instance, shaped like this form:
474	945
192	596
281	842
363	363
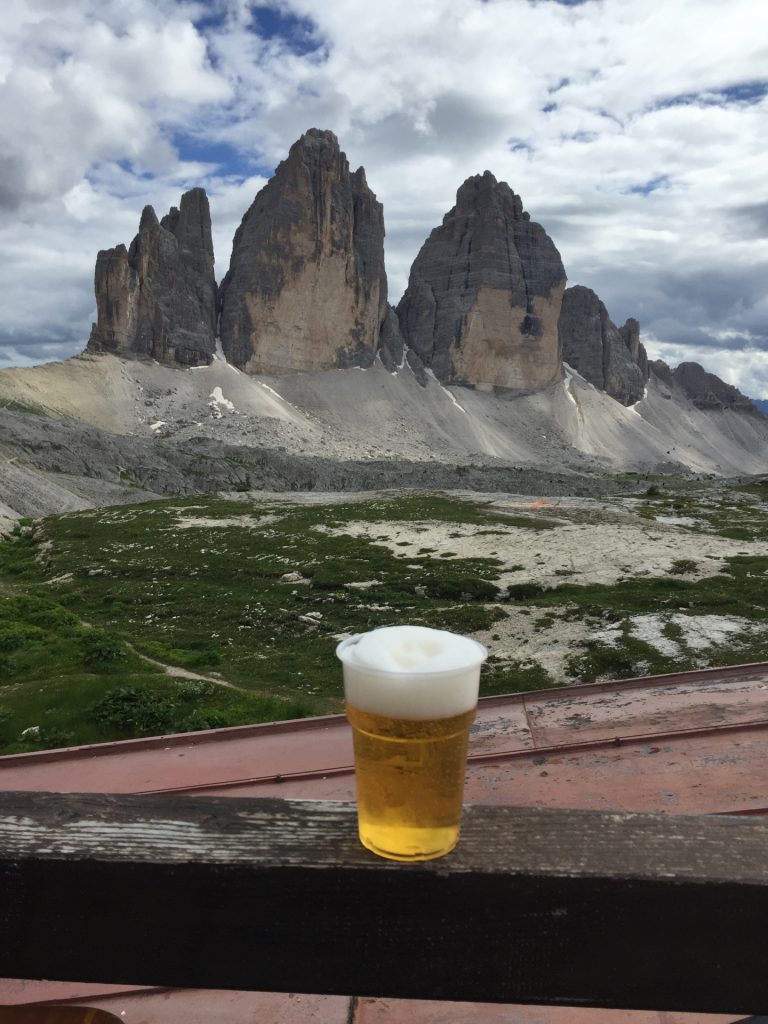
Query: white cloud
618	122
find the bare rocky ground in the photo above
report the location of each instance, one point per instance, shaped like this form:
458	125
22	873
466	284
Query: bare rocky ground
98	430
589	542
600	541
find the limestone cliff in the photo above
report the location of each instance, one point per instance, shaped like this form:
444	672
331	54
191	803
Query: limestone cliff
306	287
158	298
484	294
611	358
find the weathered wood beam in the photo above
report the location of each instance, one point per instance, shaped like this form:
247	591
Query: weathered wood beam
636	911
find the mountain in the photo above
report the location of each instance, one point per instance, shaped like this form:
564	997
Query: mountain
158	298
306	287
490	375
704	389
484	293
100	430
762	405
611	358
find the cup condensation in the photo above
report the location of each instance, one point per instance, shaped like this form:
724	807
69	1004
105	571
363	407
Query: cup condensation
411	697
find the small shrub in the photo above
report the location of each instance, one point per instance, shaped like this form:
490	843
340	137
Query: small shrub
100	647
193	689
15	635
39	611
204	719
139	712
43	737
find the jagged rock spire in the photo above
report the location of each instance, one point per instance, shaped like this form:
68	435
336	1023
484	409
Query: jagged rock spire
484	294
158	298
611	358
306	287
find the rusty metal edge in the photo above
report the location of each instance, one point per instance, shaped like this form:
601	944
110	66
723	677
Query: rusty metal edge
607	742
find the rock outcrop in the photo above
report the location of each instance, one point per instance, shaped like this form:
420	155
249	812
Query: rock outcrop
158	298
484	294
391	345
306	287
630	333
611	358
706	390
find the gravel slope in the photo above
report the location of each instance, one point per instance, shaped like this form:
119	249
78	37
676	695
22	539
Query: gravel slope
101	430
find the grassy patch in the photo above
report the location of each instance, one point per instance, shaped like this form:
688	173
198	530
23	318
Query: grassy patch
257	594
513	677
740	590
209	598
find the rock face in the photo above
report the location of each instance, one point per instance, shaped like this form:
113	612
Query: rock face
484	294
158	298
391	345
306	287
630	333
704	389
609	357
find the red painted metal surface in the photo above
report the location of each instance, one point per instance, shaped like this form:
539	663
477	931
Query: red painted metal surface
686	743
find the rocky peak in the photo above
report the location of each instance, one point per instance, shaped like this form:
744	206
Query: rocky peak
484	294
630	333
611	358
705	390
306	287
158	298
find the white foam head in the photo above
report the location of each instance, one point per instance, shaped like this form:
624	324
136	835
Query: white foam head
411	672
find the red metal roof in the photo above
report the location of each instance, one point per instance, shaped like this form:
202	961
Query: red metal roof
687	743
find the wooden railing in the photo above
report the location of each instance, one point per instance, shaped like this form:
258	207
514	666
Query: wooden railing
631	911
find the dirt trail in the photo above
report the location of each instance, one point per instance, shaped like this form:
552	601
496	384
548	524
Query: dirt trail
177	672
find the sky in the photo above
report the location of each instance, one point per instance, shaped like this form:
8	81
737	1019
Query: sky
634	132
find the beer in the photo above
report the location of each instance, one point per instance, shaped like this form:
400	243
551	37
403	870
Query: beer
411	695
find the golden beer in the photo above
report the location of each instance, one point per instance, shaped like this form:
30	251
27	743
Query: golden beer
410	782
411	695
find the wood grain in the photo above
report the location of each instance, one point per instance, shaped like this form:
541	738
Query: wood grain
552	906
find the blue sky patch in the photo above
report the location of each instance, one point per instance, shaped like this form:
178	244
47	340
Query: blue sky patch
227	158
745	92
661	181
127	165
215	17
299	35
741	92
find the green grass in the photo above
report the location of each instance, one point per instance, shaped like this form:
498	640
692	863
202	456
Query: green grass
212	599
736	512
262	605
